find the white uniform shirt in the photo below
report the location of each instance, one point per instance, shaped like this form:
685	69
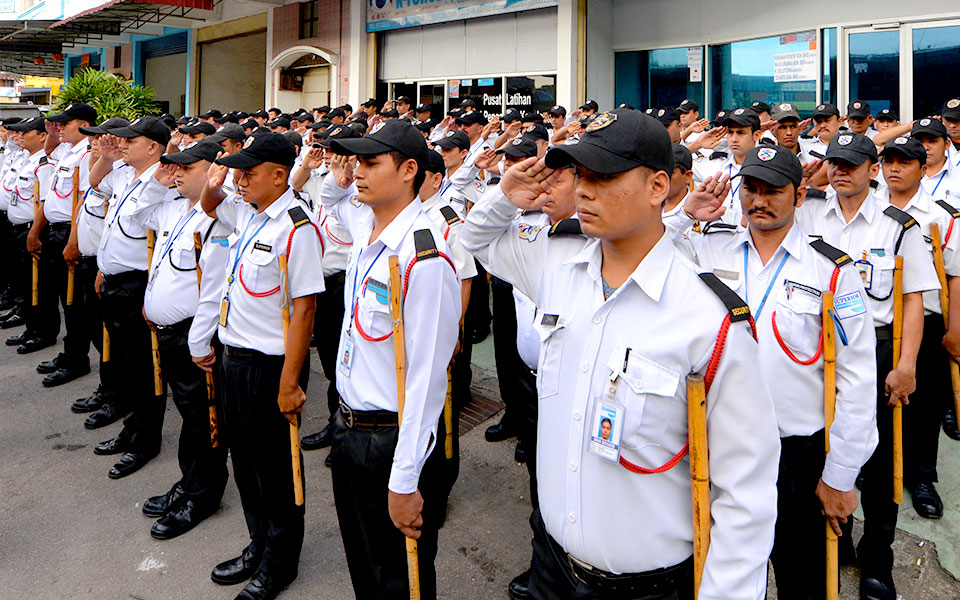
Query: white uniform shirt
598	511
11	166
213	261
466	267
726	166
460	193
431	314
252	271
939	185
795	302
870	237
528	337
817	145
91	216
58	206
336	238
33	168
123	245
469	171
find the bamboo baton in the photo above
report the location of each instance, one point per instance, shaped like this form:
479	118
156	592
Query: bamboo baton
35	298
154	343
448	415
71	276
898	409
945	308
829	409
211	397
699	474
294	428
400	358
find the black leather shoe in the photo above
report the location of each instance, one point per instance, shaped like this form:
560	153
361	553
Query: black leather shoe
328	461
478	335
264	587
129	463
519	588
157	506
950	424
872	588
926	501
52	366
520	452
179	521
239	569
14	321
65	375
499	433
6	302
34	344
110	447
107	414
316	441
16	340
91	403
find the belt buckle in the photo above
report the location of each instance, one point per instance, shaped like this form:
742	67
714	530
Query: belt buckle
347	414
577	565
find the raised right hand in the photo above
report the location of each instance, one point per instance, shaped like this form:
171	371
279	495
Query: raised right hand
528	183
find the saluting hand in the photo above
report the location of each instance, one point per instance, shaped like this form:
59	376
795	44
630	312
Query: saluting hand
809	170
109	147
513	129
706	202
712	138
487	159
406	512
837	505
341	167
165	174
217	174
528	183
291	400
313	158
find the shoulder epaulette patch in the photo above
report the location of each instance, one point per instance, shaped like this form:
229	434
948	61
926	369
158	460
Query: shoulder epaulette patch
838	256
739	311
717	155
874	184
566	226
816	194
173	186
767	141
900	217
43	160
424	244
449	215
298	217
947	207
494	181
718	227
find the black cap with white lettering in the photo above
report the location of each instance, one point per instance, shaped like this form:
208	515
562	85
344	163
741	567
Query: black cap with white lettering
775	165
618	141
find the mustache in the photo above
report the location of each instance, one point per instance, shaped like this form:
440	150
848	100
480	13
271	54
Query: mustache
761	211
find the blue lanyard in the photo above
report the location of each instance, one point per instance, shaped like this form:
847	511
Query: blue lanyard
353	305
773	280
445	187
116	215
173	238
241	247
942	175
736	190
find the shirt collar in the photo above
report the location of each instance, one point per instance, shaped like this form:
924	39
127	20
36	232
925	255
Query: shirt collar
868	209
793	244
650	275
280	205
393	234
430	202
80	146
920	201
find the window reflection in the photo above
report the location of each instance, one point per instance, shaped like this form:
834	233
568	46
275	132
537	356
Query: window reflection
828	52
658	78
874	69
936	54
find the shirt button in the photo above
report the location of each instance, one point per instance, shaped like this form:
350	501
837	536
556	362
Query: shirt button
761	276
576	416
572	518
573	466
597	320
585	367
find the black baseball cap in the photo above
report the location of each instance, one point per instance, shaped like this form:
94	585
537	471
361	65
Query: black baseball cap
521	147
368	102
858	109
304	117
423	126
887	114
79	111
260	113
929	127
435	163
390	114
760	106
511	115
618	141
472	117
454	139
216	114
249	124
321	124
951	109
532	117
422	108
625	105
230	131
338	132
666	115
721	115
590	105
260	148
151	128
389	136
337	112
183	120
358	126
456	112
199	127
105	127
202	150
775	165
907	147
10	121
279	122
826	110
536	131
852	148
322	109
228	118
688	105
404	99
745	117
293	137
557	111
467	102
682	158
784	112
31	124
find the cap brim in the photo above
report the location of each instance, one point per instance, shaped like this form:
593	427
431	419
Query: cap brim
512	151
125	132
774	178
61	118
951	113
92	131
447	144
849	156
240	160
180	158
364	146
590	156
735	121
901	151
858	114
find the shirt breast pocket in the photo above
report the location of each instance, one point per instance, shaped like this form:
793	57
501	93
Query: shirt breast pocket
798	323
882	285
551	354
182	255
648	392
260	273
373	316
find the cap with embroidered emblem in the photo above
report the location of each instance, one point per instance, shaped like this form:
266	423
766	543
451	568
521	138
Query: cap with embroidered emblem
688	105
202	150
260	148
454	139
682	158
471	118
78	111
929	127
151	128
31	124
536	131
886	114
388	136
668	115
951	109
784	112
744	117
760	107
557	111
521	147
105	127
826	110
775	165
199	127
590	105
858	109
337	132
907	147
852	148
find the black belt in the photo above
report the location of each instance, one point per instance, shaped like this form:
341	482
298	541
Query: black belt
59	226
88	260
884	333
121	278
247	353
367	419
334	280
179	327
22	227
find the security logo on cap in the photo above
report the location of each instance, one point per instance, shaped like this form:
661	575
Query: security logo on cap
530	127
857	105
601	121
660	112
518	141
249	141
379	126
844	140
901	140
336	131
953	103
739	111
766	154
786	106
924	122
821	107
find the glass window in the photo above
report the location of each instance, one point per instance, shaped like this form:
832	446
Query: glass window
486	92
936	52
658	78
775	69
828	54
874	69
309	21
533	93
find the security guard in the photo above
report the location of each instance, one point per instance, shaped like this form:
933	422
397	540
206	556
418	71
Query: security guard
938	180
264	375
597	361
788	130
859	118
13	156
389	481
783	277
826	126
950	116
742	134
885	119
690	121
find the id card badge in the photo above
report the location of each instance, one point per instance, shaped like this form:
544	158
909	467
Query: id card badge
224	309
153	277
607	428
13	198
866	273
346	358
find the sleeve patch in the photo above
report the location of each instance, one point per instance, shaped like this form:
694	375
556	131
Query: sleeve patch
849	305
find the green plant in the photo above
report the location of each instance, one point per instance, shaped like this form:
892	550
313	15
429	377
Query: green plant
109	94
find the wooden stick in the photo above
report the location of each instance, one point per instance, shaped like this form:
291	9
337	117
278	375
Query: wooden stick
35	298
71	276
105	355
211	396
898	409
829	410
945	308
448	415
699	474
400	359
294	428
154	343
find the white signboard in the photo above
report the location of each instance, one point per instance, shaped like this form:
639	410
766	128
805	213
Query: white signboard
795	66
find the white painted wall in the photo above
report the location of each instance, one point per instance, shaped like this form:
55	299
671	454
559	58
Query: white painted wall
600	23
167	75
239	87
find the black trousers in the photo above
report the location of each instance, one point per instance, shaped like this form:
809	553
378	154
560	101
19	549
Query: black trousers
375	549
922	417
203	468
513	375
799	546
6	251
52	289
478	309
326	333
21	283
132	360
89	318
552	578
259	438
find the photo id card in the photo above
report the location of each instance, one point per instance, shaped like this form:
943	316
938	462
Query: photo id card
607	427
346	358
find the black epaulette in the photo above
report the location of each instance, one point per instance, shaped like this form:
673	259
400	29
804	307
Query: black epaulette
836	255
816	194
767	141
494	181
298	217
739	311
718	227
806	137
566	227
718	154
43	161
874	184
947	207
449	215
424	244
900	217
173	186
